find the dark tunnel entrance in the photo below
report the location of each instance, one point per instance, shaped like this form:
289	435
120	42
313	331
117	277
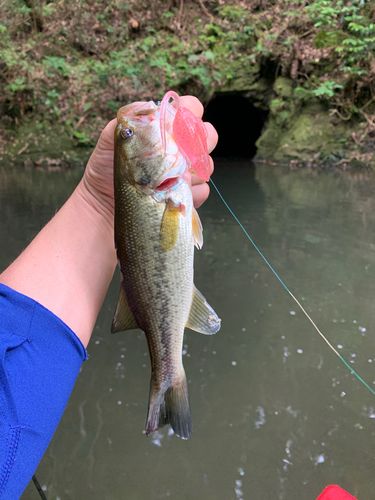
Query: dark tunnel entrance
238	123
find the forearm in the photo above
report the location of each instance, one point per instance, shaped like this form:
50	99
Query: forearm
68	266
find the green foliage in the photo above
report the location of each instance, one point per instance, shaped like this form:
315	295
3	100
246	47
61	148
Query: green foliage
51	101
324	12
18	84
114	105
72	58
328	39
83	139
234	13
57	63
326	90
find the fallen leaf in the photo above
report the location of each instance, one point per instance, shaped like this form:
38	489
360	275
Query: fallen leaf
133	24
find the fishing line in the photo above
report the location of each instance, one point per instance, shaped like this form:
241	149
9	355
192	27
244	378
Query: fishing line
39	488
290	293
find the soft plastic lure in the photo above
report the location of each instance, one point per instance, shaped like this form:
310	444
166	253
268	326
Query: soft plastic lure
189	134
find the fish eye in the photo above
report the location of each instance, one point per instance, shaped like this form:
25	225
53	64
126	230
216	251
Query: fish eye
127	133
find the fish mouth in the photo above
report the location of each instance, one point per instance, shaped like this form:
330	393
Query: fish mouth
168	184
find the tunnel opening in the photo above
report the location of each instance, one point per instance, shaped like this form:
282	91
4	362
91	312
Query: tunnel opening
238	122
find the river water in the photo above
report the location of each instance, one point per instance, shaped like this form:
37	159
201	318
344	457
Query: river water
276	414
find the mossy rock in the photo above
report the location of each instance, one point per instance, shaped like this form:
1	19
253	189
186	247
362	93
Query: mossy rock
311	134
269	141
41	143
240	74
283	87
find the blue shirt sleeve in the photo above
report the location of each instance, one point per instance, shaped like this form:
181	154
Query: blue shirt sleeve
40	358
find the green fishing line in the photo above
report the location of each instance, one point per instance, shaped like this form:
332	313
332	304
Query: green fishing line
290	293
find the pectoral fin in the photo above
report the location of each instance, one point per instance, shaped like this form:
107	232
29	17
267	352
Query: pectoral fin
123	318
170	225
197	230
202	318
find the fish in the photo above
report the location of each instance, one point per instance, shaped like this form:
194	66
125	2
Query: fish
156	228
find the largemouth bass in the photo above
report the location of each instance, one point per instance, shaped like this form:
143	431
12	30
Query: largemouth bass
156	228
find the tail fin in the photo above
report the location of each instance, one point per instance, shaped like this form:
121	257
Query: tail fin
170	406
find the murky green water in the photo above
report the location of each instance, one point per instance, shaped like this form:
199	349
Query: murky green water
276	414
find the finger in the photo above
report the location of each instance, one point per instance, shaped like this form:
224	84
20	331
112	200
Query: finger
194	104
200	193
106	137
197	180
212	137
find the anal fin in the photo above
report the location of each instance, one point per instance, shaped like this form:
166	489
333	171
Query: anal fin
123	318
202	318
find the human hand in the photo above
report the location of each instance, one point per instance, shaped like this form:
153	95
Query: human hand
97	183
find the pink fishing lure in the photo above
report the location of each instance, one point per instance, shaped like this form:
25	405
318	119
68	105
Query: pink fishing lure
334	492
189	134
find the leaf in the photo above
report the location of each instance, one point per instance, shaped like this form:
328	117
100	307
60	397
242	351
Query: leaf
209	55
193	58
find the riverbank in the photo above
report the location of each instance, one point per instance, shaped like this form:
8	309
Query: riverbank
67	67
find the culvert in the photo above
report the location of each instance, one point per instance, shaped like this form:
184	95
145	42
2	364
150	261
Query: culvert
238	122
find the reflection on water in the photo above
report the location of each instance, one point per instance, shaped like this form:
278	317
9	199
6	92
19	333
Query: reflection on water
276	414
